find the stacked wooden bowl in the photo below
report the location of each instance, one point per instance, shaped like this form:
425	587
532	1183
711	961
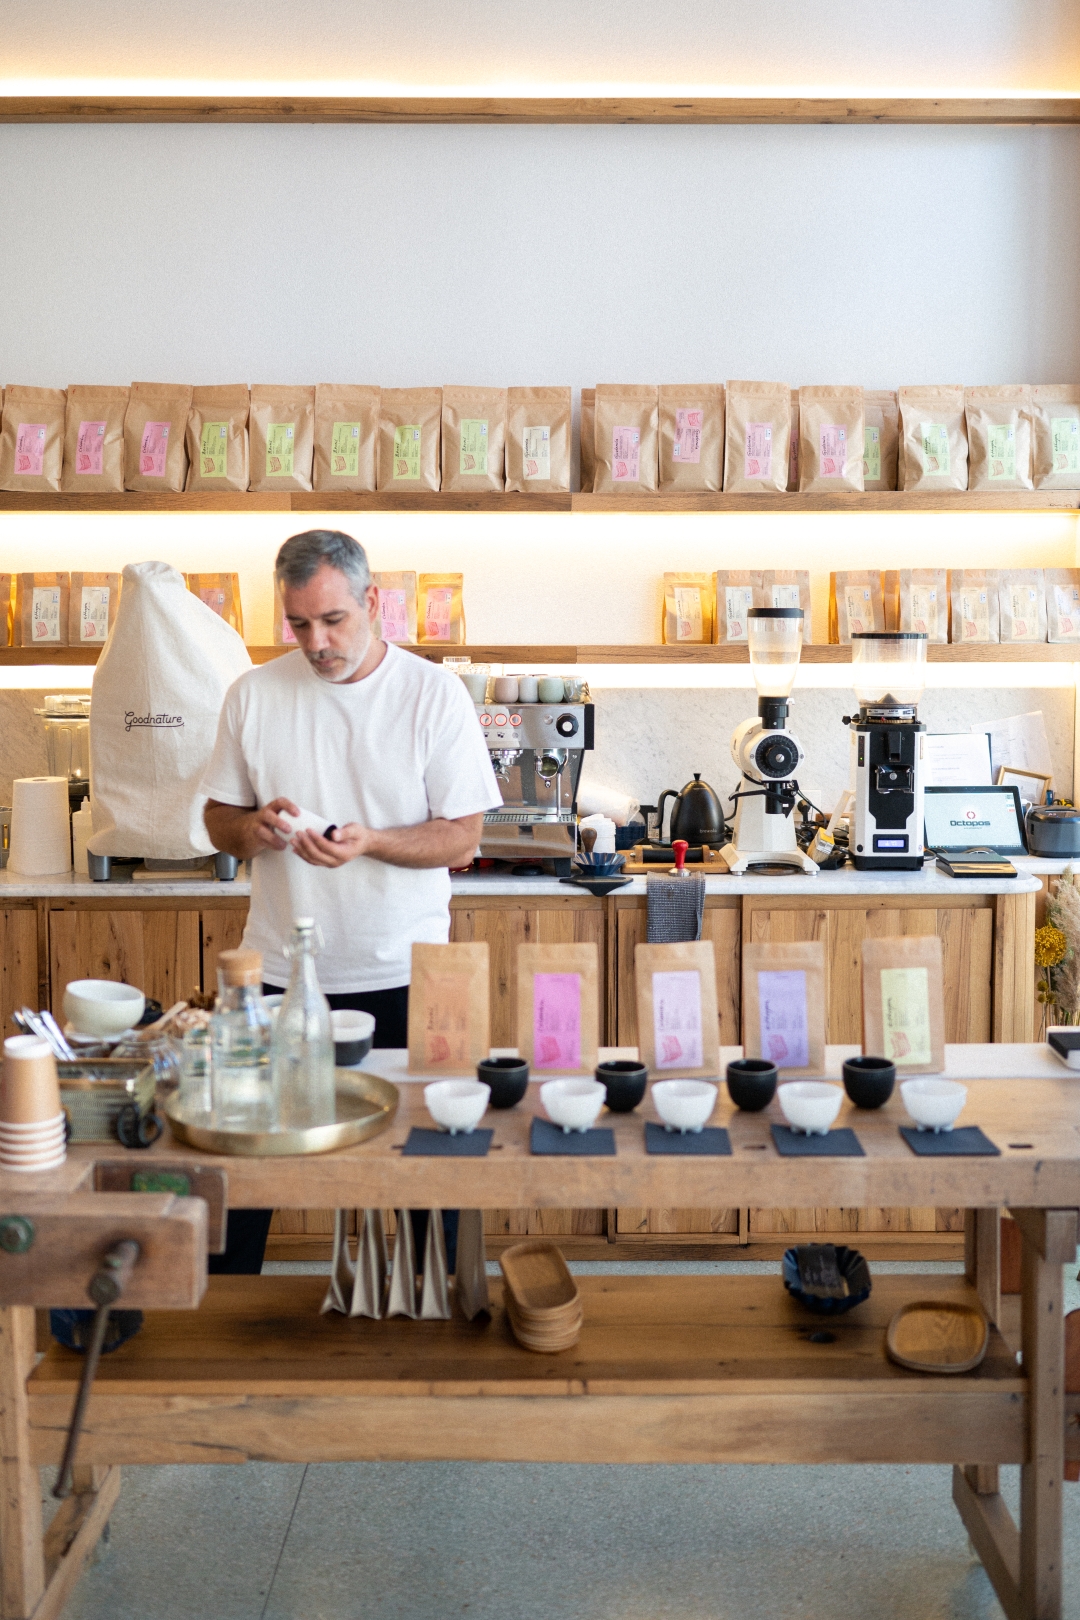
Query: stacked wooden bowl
541	1298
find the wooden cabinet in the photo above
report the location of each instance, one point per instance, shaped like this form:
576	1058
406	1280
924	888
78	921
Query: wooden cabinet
507	921
19	979
222	930
158	950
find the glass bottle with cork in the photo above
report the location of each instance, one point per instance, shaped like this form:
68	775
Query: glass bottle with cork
304	1039
242	1076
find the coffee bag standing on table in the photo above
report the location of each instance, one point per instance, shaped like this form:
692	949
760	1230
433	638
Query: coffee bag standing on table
689	609
538	440
1055	411
1062	604
787	588
627	439
587	440
793	445
217	438
999	438
155	434
677	1018
449	1011
856	605
917	602
346	437
440	610
474	439
736	593
973	606
92	604
881	434
32	438
757	432
41	610
281	433
691	437
1022	604
410	430
830	440
558	1008
221	594
397	607
933	432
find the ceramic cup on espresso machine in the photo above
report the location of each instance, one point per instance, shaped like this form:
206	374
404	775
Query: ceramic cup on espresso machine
537	750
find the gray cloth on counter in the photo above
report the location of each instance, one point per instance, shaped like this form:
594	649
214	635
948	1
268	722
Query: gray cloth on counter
676	906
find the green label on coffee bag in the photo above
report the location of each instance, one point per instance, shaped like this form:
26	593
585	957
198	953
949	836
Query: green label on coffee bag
407	451
1065	434
279	450
1001	452
214	449
474	446
871	464
935	448
345	450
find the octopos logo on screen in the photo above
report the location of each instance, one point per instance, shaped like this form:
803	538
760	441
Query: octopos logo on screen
970	818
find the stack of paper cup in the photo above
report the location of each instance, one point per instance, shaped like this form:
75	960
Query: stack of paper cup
32	1135
40	826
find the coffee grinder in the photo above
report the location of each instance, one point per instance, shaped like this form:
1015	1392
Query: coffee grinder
887	738
766	753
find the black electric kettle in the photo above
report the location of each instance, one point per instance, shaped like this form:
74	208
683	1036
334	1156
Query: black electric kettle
695	815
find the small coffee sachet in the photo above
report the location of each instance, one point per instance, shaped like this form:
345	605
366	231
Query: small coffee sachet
856	604
587	440
538	440
677	1019
410	432
397	607
221	594
830	440
346	437
757	433
916	600
1055	409
94	440
32	438
999	430
933	436
1022	604
736	593
787	588
1062	604
903	1009
155	435
281	435
784	1000
217	438
41	610
689	609
973	606
449	1008
440	609
691	437
474	439
626	436
92	603
881	437
558	1009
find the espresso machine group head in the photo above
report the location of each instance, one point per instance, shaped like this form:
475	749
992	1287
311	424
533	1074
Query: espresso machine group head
889	670
766	753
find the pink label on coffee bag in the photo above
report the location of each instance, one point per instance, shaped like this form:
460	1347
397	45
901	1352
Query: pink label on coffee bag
784	1021
625	454
677	1019
214	597
687	446
437	613
90	449
30	449
154	450
287	637
556	1020
394	614
832	450
758	459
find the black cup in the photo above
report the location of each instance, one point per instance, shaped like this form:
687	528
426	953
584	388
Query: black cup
869	1081
508	1078
751	1083
625	1080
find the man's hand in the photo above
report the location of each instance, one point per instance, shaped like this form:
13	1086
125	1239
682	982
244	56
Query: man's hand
343	845
246	833
427	845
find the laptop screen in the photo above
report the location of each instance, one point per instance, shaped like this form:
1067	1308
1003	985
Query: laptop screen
965	818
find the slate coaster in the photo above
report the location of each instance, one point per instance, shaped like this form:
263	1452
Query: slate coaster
711	1140
425	1144
966	1142
841	1144
548	1138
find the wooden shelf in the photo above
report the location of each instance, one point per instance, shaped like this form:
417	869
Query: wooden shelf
466	109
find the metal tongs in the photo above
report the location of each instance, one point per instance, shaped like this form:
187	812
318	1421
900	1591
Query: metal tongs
44	1025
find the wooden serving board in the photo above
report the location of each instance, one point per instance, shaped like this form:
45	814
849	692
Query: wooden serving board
716	867
938	1336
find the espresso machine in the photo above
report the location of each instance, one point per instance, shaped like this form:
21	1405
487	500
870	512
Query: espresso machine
889	674
537	750
766	753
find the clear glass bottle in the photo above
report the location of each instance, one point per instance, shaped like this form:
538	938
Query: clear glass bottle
242	1075
196	1095
304	1040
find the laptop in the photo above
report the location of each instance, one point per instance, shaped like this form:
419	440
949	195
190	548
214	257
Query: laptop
974	830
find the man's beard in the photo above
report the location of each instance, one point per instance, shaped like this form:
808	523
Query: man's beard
339	667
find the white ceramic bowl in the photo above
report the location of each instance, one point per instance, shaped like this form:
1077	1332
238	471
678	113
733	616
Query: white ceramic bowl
573	1104
810	1105
684	1105
459	1105
101	1007
933	1104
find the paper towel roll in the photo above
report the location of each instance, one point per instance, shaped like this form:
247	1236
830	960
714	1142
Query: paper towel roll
40	827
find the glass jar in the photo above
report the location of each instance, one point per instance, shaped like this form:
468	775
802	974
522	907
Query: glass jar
242	1075
196	1068
304	1040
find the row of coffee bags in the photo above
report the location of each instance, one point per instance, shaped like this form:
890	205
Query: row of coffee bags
967	606
161	437
47	609
424	610
711	609
765	438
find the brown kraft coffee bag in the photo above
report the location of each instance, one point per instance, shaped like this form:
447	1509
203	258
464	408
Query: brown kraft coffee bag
346	437
787	588
92	605
94	440
440	612
627	439
933	435
449	1008
41	610
881	439
856	605
588	439
397	607
538	440
830	440
917	602
1062	604
32	438
410	428
793	451
474	438
677	1019
1022	604
736	594
999	438
155	434
973	606
691	437
221	594
281	432
217	438
558	1022
784	996
757	437
689	609
1056	425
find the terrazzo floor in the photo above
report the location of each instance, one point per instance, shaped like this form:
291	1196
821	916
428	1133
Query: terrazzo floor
394	1541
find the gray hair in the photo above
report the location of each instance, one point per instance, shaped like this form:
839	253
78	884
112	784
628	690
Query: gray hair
302	555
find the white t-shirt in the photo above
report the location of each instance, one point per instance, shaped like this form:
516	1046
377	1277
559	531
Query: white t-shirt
400	747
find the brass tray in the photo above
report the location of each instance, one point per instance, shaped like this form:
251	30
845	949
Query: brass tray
365	1106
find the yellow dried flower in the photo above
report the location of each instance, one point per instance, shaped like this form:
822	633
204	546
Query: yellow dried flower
1050	946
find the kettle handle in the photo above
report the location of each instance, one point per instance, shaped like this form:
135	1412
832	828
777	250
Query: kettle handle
668	793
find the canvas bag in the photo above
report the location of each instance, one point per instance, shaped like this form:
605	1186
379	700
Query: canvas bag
626	439
410	428
32	438
1056	425
933	436
999	438
757	438
158	690
94	440
881	438
830	440
474	438
281	435
217	438
346	437
538	440
692	437
155	434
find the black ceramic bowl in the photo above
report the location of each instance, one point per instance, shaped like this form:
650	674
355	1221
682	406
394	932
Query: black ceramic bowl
625	1079
852	1267
751	1083
869	1081
353	1035
508	1078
